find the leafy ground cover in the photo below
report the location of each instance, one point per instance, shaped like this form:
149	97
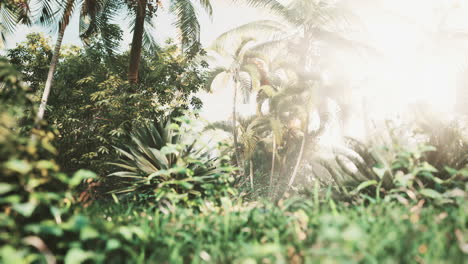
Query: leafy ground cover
292	231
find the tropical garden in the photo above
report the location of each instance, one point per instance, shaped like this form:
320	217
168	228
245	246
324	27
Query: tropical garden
283	139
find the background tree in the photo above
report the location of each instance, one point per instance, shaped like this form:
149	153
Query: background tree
243	76
61	17
87	106
142	11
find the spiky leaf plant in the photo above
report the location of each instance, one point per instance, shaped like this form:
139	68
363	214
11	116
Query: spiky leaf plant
165	162
405	163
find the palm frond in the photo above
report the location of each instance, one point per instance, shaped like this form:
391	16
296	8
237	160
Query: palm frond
12	14
254	73
48	11
274	6
206	4
96	19
259	30
66	14
213	75
186	22
245	85
149	42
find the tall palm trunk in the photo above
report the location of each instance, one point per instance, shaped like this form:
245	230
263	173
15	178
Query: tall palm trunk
53	64
273	159
251	173
301	151
137	42
305	63
234	129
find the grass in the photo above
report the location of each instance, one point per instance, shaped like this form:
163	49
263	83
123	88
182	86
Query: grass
293	231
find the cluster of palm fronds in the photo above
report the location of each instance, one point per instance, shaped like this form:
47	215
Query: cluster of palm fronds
277	61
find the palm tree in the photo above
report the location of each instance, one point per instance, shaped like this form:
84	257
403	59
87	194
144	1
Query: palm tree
250	130
239	50
186	22
89	10
310	22
243	75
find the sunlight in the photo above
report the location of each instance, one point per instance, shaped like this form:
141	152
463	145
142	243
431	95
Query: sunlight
410	68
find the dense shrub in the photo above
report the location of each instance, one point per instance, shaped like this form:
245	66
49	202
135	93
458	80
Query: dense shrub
405	162
35	198
166	160
91	103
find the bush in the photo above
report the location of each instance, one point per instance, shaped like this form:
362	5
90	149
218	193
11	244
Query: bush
407	163
165	161
92	104
35	198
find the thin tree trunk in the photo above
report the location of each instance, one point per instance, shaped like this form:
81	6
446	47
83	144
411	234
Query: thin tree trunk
50	76
251	173
304	62
234	129
301	151
137	42
298	162
273	159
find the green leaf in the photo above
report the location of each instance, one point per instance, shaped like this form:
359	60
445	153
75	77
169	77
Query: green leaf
428	148
431	193
112	244
428	167
80	175
380	172
5	188
46	165
10	255
45	228
20	166
364	185
88	233
116	200
26	209
77	256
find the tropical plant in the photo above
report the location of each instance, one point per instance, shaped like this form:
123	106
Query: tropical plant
238	58
142	12
164	162
62	16
404	164
34	195
243	75
251	132
168	83
12	13
32	58
286	64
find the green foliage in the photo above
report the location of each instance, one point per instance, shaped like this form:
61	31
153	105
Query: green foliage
93	108
406	167
32	58
166	162
297	230
34	195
